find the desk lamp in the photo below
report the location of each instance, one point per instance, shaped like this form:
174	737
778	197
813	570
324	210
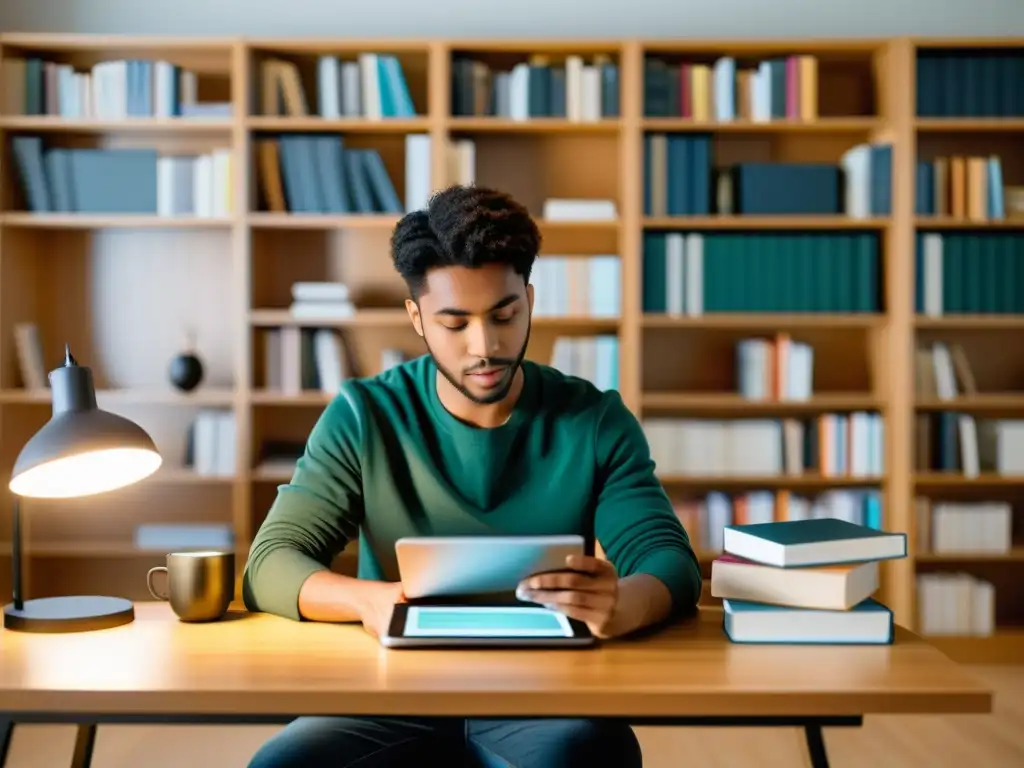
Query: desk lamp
80	451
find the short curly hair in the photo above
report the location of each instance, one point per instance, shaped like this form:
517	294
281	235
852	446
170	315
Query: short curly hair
466	226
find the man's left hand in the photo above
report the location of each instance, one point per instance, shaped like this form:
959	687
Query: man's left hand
588	591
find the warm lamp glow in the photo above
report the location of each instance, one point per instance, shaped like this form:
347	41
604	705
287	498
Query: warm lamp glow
80	451
86	473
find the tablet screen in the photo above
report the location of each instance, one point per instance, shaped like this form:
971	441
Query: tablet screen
449	621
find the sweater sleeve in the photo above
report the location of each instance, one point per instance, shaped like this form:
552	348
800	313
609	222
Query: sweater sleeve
313	517
635	522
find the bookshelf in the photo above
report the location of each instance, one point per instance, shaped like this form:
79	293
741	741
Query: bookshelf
624	124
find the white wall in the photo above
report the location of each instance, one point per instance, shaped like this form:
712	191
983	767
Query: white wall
510	18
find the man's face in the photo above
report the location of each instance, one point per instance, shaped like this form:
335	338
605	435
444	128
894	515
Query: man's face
476	325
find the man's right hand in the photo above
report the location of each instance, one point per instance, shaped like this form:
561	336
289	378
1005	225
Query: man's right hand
377	605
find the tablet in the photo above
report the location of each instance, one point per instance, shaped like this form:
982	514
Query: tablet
435	566
508	626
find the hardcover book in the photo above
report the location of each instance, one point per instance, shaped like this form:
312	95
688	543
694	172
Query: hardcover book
830	587
819	541
867	623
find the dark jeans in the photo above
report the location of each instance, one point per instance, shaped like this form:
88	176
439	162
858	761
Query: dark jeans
349	742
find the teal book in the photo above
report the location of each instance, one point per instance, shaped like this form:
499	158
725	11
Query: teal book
867	623
821	541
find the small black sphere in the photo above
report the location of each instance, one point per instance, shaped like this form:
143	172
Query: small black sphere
186	371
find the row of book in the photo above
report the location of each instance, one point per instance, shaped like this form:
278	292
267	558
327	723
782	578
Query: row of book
681	178
959	442
581	286
122	181
778	88
373	86
968	272
774	369
319	174
321	300
955	604
962	187
805	582
187	185
975	83
702	273
964	527
109	90
942	371
593	358
299	359
705	517
304	359
828	445
573	88
211	444
969	446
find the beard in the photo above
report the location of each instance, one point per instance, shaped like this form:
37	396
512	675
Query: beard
499	393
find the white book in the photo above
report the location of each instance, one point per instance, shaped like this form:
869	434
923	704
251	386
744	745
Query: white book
321	309
329	87
325	291
418	186
370	84
675	251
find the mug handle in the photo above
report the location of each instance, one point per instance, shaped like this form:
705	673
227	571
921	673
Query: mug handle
149	582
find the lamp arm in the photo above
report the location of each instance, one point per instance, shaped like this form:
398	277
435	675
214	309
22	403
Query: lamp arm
16	554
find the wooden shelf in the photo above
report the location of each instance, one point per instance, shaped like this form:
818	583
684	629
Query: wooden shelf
764	321
970	322
975	403
969	124
321	221
822	125
948	222
43	123
952	480
374	318
88	221
202	398
353	125
270	397
229	276
764	222
726	402
1015	555
731	482
531	125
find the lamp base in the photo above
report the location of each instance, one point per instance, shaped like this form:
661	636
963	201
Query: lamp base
69	614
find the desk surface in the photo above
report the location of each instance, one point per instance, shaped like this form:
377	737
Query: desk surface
256	664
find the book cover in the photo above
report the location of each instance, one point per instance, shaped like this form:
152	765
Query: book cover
815	542
867	623
830	587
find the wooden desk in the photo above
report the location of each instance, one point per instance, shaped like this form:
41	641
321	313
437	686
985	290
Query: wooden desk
256	668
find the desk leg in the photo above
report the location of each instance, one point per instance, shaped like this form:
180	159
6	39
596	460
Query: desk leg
6	732
816	746
85	740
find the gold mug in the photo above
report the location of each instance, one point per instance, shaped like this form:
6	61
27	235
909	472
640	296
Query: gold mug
200	585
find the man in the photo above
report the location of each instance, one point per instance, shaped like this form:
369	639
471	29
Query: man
470	439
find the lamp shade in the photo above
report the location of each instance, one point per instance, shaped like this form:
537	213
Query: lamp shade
82	450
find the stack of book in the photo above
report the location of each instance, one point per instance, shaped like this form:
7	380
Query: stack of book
805	582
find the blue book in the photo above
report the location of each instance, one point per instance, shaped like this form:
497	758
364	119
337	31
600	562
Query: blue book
867	623
821	541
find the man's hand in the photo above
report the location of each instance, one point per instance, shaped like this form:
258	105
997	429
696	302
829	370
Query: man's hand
588	592
377	605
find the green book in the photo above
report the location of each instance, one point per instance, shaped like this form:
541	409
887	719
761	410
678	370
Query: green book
817	542
867	623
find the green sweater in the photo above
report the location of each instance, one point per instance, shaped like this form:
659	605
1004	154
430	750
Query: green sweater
387	460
